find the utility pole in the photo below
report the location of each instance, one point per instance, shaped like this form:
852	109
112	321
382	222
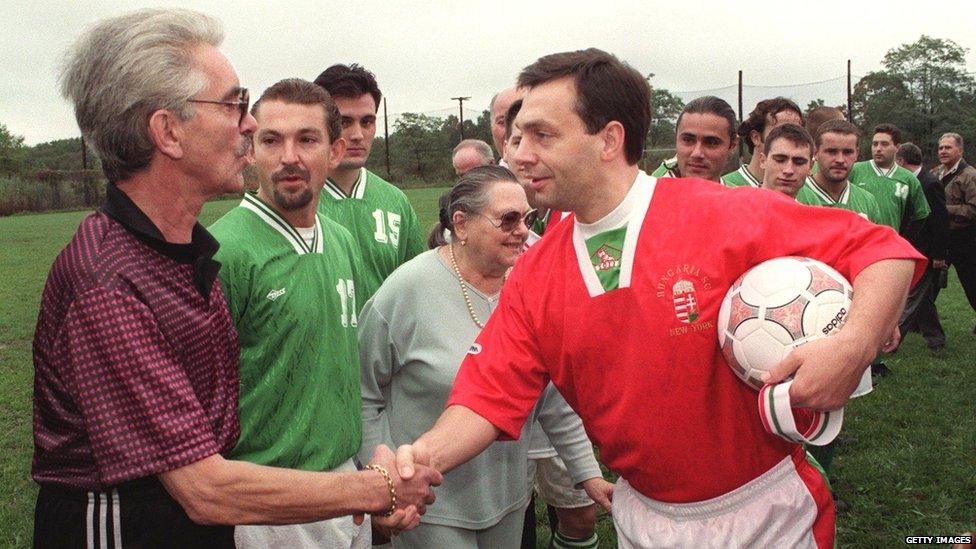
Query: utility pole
386	138
741	147
850	102
461	101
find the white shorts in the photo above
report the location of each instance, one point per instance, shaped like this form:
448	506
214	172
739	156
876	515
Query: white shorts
865	386
339	532
787	506
554	485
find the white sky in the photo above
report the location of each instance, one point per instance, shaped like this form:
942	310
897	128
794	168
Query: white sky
425	52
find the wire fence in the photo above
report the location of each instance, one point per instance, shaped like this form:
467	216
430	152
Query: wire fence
834	92
430	159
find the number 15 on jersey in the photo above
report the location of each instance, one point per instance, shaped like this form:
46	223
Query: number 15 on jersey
389	231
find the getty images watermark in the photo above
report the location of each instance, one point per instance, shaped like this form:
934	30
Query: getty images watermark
963	539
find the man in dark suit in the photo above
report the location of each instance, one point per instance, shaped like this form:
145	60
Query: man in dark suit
929	236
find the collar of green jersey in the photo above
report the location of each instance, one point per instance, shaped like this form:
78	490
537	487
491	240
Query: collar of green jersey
358	188
744	171
890	172
825	196
283	227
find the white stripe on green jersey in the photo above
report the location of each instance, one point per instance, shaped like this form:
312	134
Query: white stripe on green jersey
382	221
295	306
668	168
853	198
357	191
897	191
276	222
741	178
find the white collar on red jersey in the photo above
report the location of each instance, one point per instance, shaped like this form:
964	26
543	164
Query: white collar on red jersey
630	212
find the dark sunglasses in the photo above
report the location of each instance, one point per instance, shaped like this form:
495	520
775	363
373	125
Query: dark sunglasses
509	221
243	100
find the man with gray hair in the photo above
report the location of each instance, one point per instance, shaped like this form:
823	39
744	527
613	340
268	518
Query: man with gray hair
135	356
929	237
469	154
959	179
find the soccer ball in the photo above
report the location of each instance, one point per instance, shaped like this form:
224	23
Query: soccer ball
777	306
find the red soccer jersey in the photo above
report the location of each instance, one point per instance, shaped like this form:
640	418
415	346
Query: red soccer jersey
640	363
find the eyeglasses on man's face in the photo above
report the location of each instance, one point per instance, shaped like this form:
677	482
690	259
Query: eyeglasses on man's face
242	102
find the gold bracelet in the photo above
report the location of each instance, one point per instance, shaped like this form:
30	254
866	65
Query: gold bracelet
389	482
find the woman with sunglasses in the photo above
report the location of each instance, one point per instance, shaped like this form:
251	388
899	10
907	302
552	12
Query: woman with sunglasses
413	335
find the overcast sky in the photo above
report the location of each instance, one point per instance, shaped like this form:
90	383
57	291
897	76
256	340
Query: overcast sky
425	52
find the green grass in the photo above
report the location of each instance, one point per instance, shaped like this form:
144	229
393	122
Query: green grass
906	466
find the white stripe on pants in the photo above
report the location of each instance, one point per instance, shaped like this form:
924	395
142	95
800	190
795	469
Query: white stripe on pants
105	502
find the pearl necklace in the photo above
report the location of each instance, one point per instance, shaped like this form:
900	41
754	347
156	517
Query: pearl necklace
464	289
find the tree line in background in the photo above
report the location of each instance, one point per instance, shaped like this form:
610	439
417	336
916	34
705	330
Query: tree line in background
923	88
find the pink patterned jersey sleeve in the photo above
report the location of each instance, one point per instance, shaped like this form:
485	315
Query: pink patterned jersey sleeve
134	394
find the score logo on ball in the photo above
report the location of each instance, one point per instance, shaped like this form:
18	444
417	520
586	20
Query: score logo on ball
777	306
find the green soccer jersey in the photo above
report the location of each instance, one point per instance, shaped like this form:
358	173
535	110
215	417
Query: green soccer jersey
853	198
293	300
382	221
806	196
741	178
897	191
668	168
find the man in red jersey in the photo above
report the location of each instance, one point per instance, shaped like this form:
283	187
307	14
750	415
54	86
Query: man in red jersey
619	307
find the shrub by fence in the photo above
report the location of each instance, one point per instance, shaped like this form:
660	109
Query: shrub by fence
51	190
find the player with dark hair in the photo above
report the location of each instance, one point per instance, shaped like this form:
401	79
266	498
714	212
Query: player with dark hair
290	278
786	160
513	136
572	514
704	139
618	305
377	214
899	193
768	114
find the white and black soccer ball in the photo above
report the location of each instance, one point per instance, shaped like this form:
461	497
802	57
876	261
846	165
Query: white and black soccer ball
777	306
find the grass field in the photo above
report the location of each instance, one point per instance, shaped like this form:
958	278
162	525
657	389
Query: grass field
906	465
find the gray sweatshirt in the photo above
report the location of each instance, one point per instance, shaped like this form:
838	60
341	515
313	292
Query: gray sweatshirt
413	335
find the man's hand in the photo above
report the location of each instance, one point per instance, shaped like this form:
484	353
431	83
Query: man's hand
940	264
413	490
826	372
600	491
402	519
893	341
408	456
